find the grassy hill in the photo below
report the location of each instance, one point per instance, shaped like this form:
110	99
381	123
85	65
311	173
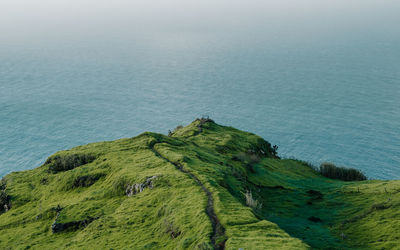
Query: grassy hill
204	186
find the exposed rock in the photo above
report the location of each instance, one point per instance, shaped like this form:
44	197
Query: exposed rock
139	187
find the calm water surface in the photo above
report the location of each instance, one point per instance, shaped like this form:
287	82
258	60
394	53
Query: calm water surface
321	95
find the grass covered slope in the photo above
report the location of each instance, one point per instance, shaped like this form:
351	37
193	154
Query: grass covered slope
204	186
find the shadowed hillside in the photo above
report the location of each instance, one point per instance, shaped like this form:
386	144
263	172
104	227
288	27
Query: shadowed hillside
204	186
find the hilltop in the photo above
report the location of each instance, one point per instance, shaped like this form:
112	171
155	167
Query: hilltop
203	186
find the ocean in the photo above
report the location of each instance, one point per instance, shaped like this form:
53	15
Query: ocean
329	92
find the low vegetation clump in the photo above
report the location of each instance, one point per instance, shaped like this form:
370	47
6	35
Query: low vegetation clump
87	180
71	226
171	229
4	197
64	162
4	201
330	170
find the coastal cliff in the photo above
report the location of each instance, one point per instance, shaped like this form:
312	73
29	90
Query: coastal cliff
203	186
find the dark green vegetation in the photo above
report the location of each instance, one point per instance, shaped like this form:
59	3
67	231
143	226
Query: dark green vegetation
204	186
345	174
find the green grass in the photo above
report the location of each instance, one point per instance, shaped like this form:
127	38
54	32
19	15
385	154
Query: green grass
90	182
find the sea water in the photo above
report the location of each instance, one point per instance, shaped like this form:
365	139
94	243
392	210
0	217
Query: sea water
321	92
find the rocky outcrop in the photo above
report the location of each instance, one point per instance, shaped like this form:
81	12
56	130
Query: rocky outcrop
139	187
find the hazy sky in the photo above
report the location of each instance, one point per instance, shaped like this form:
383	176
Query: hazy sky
25	21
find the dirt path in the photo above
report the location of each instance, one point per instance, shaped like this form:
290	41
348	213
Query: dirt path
218	229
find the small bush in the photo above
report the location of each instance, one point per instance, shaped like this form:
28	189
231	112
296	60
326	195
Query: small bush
4	197
330	170
251	202
265	149
380	206
275	150
61	163
2	184
4	201
204	119
72	225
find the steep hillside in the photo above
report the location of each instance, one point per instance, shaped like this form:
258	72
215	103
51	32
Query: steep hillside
204	186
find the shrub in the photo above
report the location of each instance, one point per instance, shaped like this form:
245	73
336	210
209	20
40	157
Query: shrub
60	163
2	184
330	170
4	197
204	119
72	225
275	150
4	201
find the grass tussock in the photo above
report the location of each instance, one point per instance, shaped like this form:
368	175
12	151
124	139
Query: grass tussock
87	180
171	229
251	202
119	185
331	171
